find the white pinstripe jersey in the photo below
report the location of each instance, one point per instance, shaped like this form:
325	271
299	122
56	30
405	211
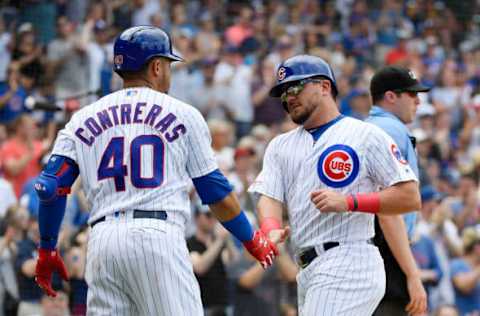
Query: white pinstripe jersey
136	149
351	156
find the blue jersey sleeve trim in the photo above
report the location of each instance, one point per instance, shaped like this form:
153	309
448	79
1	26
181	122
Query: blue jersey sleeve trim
212	187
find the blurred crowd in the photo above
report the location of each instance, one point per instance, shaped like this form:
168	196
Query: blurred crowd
56	57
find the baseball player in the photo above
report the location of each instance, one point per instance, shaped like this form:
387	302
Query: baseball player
136	150
332	173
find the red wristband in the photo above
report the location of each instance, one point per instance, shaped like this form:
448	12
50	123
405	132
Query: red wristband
364	202
270	223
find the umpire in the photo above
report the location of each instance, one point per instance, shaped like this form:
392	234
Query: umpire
394	92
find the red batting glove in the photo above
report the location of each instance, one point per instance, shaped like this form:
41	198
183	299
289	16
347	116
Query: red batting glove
48	262
262	249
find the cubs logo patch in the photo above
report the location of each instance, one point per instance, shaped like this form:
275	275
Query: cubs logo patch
398	154
282	72
118	60
338	166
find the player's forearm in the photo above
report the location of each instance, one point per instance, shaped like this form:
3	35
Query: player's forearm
269	208
226	209
395	232
400	198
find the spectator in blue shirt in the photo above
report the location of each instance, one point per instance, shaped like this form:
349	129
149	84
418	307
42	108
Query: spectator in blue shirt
14	92
425	254
465	273
394	92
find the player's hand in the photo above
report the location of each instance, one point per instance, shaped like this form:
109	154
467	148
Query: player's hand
278	236
48	262
262	249
418	297
329	201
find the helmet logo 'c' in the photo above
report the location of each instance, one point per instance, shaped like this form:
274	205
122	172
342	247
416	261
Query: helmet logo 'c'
281	73
118	60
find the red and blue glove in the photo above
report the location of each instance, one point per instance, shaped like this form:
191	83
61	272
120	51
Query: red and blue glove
48	262
262	249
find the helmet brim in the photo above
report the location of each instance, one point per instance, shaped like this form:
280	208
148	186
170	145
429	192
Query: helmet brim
173	57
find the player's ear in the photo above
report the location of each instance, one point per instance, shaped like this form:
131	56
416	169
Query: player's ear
156	67
327	87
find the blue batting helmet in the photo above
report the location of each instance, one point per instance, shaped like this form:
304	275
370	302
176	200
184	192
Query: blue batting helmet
301	67
138	44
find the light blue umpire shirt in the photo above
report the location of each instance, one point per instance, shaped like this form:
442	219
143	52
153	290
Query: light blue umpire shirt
392	125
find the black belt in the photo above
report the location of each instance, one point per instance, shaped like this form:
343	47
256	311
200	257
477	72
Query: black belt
162	215
308	255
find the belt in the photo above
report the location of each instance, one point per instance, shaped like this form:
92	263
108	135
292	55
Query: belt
162	215
309	254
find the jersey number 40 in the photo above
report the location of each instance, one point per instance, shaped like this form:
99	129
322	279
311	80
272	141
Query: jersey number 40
112	163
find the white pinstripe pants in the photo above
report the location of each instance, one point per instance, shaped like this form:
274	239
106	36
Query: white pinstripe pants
348	280
140	267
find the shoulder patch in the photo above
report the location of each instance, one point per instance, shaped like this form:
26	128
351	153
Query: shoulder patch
397	154
338	166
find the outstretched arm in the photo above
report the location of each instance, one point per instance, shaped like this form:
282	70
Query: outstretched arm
215	190
52	187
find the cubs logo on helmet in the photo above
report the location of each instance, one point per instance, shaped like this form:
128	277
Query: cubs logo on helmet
118	60
398	154
281	73
338	166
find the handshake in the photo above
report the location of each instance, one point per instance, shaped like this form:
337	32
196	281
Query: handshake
263	245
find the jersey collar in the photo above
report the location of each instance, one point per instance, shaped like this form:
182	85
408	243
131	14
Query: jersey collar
379	111
316	132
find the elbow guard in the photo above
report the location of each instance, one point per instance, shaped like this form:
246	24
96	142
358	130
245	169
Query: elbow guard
56	178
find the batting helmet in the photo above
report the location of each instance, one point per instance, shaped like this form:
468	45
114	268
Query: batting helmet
138	44
301	67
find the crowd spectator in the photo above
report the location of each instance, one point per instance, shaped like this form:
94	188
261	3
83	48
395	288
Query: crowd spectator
67	60
22	153
466	274
55	306
211	251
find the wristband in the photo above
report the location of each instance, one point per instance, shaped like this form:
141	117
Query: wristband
240	227
364	202
268	224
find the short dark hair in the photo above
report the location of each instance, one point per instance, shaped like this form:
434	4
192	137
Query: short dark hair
129	75
377	98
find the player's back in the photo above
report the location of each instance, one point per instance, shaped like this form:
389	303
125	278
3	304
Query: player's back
136	149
